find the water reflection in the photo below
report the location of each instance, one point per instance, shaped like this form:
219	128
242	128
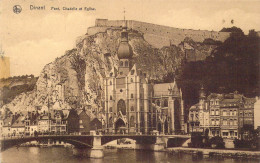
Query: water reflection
64	155
34	150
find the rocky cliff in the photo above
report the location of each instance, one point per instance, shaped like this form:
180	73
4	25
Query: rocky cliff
76	79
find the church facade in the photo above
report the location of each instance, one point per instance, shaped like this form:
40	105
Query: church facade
135	105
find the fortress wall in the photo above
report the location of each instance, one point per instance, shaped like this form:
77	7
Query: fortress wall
158	35
94	30
157	41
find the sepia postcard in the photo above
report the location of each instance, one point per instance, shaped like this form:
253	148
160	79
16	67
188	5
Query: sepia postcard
129	81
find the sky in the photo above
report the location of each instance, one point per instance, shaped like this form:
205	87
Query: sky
34	38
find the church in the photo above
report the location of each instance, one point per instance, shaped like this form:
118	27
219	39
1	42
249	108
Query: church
134	105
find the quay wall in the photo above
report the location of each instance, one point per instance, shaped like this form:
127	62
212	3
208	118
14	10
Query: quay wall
217	152
164	34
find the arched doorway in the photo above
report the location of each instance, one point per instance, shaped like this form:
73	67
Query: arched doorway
121	107
120	126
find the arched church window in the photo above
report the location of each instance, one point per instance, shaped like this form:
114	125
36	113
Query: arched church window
132	95
111	98
110	122
110	109
165	103
132	80
121	106
132	121
121	63
111	74
110	82
126	63
132	108
132	72
158	102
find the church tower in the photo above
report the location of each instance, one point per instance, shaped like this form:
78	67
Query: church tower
125	52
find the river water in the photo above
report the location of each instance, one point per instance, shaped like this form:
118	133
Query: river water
64	155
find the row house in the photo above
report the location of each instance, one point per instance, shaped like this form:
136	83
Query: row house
55	122
257	114
31	123
221	114
81	121
58	122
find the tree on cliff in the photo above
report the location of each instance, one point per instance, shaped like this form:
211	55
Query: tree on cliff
234	65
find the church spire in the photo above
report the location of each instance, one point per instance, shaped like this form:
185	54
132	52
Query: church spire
124	22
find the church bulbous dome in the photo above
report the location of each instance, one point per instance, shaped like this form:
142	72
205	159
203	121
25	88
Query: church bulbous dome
125	51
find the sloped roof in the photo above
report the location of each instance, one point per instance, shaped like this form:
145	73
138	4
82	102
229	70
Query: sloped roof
19	122
194	107
8	121
215	96
163	89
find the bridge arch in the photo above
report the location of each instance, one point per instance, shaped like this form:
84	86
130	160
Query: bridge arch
138	138
79	142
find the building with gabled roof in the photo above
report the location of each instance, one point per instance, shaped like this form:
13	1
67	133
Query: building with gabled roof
18	127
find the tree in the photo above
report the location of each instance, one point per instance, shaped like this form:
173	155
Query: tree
217	142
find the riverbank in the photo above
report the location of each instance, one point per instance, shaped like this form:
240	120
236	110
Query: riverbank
216	153
200	152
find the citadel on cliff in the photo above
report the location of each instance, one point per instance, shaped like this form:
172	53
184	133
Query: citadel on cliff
158	35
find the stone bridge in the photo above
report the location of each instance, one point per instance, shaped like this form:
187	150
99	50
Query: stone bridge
92	145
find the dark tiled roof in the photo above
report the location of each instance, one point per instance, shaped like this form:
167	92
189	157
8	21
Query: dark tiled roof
163	89
19	122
